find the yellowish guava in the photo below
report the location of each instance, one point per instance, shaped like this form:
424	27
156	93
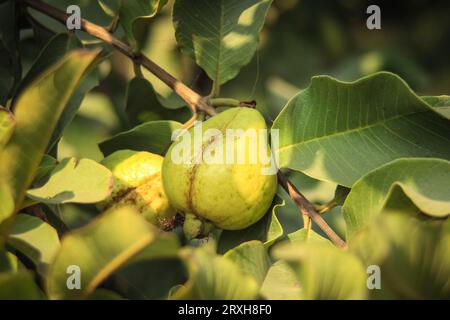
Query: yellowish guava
231	194
137	182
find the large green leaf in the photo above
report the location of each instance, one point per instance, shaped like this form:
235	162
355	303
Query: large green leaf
9	52
325	272
18	286
37	112
56	49
76	181
134	16
214	277
154	136
411	185
221	35
113	240
339	131
252	258
267	230
7	124
35	239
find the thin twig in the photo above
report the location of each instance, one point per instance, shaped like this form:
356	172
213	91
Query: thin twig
192	98
195	101
308	209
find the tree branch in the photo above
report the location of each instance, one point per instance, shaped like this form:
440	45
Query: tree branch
307	208
192	98
195	101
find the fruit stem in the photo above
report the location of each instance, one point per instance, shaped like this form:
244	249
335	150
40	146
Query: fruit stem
230	102
224	102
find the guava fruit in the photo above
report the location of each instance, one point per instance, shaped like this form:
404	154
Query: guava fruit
137	182
231	194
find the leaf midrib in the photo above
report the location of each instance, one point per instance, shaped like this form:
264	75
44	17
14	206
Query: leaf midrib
379	123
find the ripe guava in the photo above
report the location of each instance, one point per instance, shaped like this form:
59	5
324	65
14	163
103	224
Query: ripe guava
231	194
137	182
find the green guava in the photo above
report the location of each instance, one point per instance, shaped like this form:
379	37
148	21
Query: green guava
137	182
231	194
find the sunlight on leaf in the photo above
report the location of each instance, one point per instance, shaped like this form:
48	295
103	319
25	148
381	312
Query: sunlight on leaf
75	181
35	239
339	131
222	35
7	124
34	126
102	247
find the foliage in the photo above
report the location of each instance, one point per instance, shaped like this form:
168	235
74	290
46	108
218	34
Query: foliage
368	146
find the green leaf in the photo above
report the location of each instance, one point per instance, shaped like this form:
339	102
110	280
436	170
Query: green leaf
214	277
58	46
144	104
35	239
325	272
307	236
6	204
221	35
409	185
8	262
134	16
154	136
339	131
413	256
75	181
281	283
7	124
37	112
10	67
251	257
144	280
418	266
18	286
113	240
267	230
46	166
440	104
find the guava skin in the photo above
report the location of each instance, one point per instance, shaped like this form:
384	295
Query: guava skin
137	182
230	196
